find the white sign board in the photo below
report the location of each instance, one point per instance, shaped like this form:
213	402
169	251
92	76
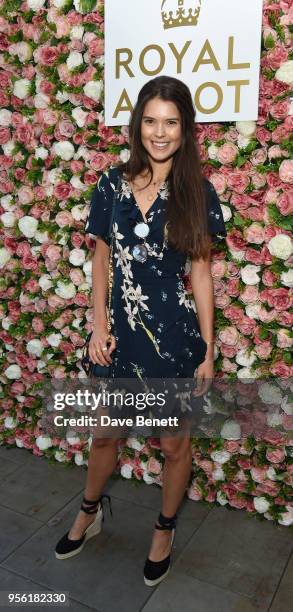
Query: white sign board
214	46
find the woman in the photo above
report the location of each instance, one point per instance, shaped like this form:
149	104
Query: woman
165	212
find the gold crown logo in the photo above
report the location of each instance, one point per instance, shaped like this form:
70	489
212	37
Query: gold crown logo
180	16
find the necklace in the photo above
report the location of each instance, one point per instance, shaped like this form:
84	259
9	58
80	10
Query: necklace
152	195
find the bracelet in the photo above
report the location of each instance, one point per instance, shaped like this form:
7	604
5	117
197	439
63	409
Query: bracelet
210	342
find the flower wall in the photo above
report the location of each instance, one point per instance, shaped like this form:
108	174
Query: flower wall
53	145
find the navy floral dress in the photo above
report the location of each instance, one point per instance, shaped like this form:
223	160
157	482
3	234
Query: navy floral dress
153	319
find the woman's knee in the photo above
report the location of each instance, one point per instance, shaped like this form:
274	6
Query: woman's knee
98	443
176	449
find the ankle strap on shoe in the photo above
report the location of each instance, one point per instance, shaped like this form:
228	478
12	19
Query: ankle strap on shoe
92	506
166	522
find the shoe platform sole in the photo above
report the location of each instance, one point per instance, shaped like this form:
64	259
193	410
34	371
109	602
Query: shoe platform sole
89	534
152	583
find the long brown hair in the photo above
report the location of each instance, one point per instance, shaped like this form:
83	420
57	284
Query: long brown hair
186	213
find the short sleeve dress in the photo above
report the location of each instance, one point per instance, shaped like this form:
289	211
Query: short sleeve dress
154	320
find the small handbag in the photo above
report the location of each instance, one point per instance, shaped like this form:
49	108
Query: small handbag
91	368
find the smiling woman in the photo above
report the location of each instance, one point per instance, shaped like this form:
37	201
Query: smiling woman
165	211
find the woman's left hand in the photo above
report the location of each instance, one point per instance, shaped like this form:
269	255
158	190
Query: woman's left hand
204	376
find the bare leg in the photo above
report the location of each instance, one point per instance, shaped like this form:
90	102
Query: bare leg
101	464
176	473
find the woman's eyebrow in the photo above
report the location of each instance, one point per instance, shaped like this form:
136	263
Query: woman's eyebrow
168	118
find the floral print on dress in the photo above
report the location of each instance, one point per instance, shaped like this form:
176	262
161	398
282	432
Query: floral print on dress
153	319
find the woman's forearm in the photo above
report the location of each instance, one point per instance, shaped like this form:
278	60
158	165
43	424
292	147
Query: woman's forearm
100	274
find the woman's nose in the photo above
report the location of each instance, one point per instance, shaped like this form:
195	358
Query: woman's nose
160	130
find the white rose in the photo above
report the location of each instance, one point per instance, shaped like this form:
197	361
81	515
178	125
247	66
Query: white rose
8	219
231	430
243	141
261	504
77	257
244	359
78	459
287	517
274	419
287	278
23	50
124	155
85	7
249	274
126	470
45	282
134	443
148	479
6	322
218	474
220	456
22	88
77	183
10	422
13	371
5	117
28	226
77	323
271	473
72	438
280	246
79	116
77	31
43	442
253	310
19	443
246	375
65	290
93	90
285	72
7	202
74	60
227	213
59	4
87	268
246	128
54	176
238	255
270	394
42	237
64	149
60	456
79	212
54	339
62	96
35	347
221	498
8	148
213	151
5	256
287	406
41	153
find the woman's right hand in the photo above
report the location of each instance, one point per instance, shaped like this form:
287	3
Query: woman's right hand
99	340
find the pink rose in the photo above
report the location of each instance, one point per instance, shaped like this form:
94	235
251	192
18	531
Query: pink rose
275	456
38	325
279	298
258	474
286	171
227	153
285	203
250	294
254	233
281	369
229	336
62	191
153	466
237	181
219	182
96	47
258	157
195	492
64	218
47	55
25	195
283	339
99	161
66	128
53	252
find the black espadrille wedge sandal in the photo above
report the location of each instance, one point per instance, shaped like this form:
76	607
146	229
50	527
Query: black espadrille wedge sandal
66	548
156	571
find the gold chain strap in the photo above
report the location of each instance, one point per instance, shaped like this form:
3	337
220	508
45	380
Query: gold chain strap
110	287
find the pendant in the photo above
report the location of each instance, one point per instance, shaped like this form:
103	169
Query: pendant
140	253
150	198
142	230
